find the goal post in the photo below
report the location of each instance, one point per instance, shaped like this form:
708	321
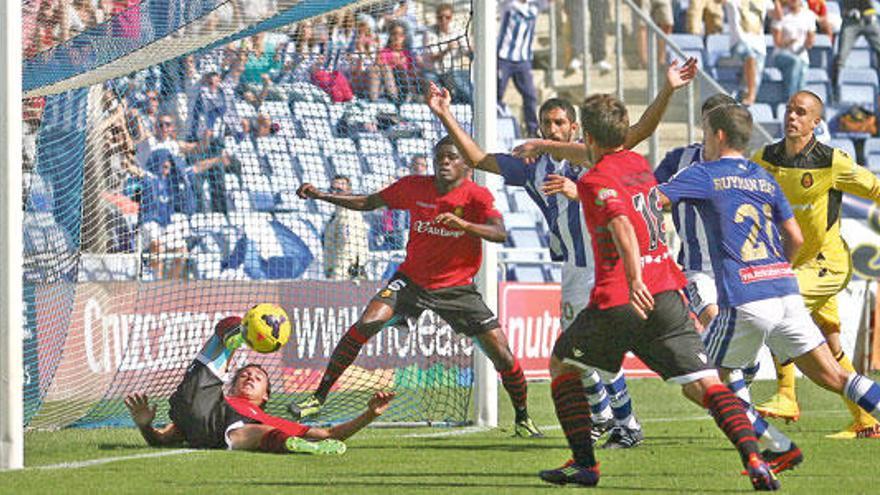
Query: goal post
11	362
485	116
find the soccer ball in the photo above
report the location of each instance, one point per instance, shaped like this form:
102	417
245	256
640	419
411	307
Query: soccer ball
266	327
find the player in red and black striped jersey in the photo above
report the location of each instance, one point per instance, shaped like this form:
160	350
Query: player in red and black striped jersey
450	216
636	304
204	418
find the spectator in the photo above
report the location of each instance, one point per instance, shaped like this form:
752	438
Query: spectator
262	58
259	126
746	21
342	32
304	52
159	235
598	34
516	34
397	65
793	36
661	14
818	7
705	17
207	128
418	165
345	239
860	18
365	79
446	55
32	112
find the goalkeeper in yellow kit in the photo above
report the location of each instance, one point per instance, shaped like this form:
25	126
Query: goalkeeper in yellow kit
814	177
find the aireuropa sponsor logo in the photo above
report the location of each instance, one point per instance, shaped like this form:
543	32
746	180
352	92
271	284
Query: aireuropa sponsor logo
431	229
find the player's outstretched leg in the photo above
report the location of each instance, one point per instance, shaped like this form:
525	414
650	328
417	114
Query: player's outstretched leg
278	442
600	404
220	347
863	425
783	404
730	415
627	432
570	402
494	344
780	453
376	316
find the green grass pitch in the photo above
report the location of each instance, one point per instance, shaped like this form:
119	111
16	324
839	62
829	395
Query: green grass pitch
683	453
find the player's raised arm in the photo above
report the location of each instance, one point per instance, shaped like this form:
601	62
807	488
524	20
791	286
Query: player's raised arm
360	202
438	101
627	245
676	77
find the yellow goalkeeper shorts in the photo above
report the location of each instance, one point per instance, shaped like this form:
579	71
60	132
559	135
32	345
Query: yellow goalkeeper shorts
819	286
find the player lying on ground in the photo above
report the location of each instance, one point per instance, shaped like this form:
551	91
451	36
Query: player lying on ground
813	177
450	215
636	304
744	211
549	183
203	418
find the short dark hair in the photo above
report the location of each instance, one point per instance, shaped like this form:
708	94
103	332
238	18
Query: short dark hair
735	121
342	177
443	7
444	141
554	103
605	118
717	101
239	371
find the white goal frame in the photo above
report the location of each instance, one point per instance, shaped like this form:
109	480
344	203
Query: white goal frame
11	255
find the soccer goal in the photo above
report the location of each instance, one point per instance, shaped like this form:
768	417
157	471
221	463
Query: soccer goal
159	149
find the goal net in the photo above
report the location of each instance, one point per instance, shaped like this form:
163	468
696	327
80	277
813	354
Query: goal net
163	144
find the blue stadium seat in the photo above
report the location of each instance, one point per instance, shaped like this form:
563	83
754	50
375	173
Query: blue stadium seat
822	90
772	89
858	94
382	167
304	146
821	52
522	201
717	48
866	76
313	170
690	44
515	220
339	145
271	144
525	237
872	154
762	112
416	112
860	56
307	109
317	128
526	273
414	146
374	144
502	203
844	144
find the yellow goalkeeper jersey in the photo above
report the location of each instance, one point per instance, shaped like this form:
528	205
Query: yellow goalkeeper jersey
814	182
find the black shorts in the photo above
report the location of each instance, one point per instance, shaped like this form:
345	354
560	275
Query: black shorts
667	341
461	307
199	411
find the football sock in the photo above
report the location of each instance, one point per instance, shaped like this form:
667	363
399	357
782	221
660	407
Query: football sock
274	441
214	355
514	382
785	376
861	418
621	403
571	405
600	404
768	436
730	416
343	355
864	392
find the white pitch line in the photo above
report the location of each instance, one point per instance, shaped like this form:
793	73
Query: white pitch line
467	430
107	460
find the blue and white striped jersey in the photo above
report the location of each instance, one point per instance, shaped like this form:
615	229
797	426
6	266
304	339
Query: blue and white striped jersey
517	31
694	253
569	238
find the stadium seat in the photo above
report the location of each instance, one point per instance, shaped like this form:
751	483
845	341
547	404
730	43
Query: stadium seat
281	165
414	146
519	220
463	113
555	273
416	112
690	44
772	89
347	164
502	203
866	76
858	94
526	273
207	221
304	146
317	128
860	56
271	144
339	145
245	110
307	109
313	170
374	144
525	237
717	48
821	52
383	167
522	201
844	144
872	154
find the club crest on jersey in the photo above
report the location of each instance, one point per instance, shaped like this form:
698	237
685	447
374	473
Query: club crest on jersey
458	211
604	195
807	180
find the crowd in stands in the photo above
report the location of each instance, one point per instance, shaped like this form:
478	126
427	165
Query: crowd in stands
211	144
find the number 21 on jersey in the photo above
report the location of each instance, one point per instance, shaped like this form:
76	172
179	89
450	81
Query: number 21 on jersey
752	248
